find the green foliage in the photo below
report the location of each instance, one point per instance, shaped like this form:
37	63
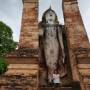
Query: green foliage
6	40
6	45
3	65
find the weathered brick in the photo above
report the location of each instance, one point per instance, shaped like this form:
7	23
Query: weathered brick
29	28
75	30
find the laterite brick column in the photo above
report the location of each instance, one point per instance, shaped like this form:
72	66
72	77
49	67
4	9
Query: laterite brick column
75	32
29	28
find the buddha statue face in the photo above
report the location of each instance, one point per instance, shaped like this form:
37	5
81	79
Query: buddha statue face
50	17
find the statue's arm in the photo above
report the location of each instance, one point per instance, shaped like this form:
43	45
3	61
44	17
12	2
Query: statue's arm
61	42
41	45
41	31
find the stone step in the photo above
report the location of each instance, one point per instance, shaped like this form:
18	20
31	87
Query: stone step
46	88
58	88
64	88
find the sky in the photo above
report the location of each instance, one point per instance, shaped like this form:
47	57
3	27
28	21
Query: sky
11	13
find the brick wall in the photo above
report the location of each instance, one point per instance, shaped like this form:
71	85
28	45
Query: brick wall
74	25
29	28
78	44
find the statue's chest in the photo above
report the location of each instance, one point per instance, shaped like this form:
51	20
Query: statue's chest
50	33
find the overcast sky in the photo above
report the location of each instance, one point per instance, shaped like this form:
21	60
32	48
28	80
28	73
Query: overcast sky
11	13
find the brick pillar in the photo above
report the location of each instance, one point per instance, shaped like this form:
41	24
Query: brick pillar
29	28
74	24
75	32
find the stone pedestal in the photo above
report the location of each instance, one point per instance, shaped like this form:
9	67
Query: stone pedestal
83	59
20	77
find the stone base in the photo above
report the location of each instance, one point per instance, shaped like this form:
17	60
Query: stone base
58	88
18	82
20	77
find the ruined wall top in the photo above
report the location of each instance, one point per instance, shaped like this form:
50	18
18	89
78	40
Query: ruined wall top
29	1
69	0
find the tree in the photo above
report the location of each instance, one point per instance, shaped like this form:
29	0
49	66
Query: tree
6	39
6	44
